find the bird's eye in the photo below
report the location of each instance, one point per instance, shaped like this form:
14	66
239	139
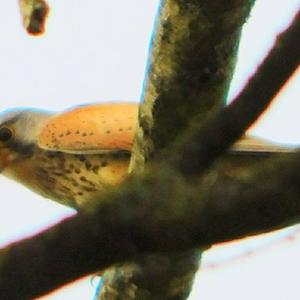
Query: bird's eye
5	134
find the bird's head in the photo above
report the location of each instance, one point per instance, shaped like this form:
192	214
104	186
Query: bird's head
19	130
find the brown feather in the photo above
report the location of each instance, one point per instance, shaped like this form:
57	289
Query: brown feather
252	144
91	129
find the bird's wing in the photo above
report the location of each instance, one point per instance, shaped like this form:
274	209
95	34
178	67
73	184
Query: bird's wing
101	128
250	144
96	128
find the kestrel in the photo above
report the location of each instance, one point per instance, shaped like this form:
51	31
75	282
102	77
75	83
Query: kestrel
68	157
71	156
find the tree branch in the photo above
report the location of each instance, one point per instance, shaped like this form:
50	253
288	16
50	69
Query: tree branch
140	218
201	147
191	63
190	66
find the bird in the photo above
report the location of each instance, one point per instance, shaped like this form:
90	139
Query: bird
70	157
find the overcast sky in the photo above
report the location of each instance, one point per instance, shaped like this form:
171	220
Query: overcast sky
96	51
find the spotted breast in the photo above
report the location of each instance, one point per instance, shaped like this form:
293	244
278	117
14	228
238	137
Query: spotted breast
69	157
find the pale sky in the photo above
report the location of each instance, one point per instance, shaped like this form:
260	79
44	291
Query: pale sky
95	51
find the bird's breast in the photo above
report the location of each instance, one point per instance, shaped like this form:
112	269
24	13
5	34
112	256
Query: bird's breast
73	179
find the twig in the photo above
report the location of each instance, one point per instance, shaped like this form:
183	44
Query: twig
34	14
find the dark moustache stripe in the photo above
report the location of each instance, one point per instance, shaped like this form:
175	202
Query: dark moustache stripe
23	149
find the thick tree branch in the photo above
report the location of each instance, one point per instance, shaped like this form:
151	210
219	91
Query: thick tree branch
139	218
190	66
192	58
152	276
